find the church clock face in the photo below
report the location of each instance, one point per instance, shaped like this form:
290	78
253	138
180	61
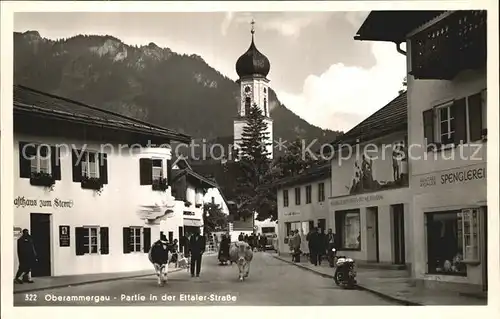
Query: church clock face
247	90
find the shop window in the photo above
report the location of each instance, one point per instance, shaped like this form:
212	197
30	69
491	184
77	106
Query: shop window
92	240
348	229
452	241
136	239
285	198
308	194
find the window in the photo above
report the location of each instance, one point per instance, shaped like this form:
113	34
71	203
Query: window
213	200
460	121
248	101
40	162
348	229
452	237
308	194
90	165
136	239
321	192
285	198
265	107
92	240
446	127
157	170
297	196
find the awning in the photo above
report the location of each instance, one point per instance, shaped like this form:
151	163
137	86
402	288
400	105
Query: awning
192	222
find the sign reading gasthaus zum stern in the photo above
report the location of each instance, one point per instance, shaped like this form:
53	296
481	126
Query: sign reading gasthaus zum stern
21	201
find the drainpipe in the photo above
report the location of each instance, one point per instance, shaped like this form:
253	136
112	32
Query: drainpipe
398	48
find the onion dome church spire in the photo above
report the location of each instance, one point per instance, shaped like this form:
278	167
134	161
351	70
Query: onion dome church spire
252	62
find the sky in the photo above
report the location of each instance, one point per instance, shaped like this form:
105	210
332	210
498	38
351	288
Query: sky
317	69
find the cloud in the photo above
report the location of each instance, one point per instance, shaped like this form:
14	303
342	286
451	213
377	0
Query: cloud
226	23
343	96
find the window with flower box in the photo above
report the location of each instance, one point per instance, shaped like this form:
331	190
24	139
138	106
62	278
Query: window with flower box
90	169
152	172
40	163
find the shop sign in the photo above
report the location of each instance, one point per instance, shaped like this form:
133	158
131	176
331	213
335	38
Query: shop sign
291	214
21	201
64	236
454	177
357	199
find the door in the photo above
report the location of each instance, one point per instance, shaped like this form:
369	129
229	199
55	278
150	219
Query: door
40	232
372	234
398	231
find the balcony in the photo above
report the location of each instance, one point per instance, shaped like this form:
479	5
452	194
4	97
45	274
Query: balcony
453	44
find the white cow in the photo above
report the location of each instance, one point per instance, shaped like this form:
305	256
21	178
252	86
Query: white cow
160	255
241	253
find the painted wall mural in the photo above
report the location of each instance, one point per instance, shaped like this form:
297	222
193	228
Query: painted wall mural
371	172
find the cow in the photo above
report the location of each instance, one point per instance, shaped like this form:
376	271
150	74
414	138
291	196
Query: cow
241	253
160	255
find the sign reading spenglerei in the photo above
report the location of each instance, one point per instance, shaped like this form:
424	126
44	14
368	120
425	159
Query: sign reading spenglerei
22	201
453	177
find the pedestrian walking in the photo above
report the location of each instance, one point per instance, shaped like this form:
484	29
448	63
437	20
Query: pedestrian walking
321	245
27	257
197	244
313	243
296	241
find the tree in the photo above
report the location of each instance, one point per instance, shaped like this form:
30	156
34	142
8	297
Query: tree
294	161
214	218
255	170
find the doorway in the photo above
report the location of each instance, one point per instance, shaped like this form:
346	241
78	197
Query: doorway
372	248
398	232
40	232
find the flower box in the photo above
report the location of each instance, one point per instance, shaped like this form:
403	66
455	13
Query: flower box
92	183
160	184
42	179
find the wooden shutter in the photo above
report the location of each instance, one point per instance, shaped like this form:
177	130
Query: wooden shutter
428	117
79	238
147	239
76	166
24	159
475	117
55	162
458	112
126	240
146	171
104	233
103	167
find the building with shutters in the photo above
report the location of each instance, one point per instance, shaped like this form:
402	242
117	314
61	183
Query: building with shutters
446	66
80	186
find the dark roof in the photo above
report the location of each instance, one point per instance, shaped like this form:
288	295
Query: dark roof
225	175
310	175
252	62
393	26
34	102
207	182
391	118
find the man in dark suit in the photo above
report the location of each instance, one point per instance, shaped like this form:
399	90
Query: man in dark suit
27	257
197	244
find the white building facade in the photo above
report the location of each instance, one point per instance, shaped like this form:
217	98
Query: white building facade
303	204
447	127
80	189
370	198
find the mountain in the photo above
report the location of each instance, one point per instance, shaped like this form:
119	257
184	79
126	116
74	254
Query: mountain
150	83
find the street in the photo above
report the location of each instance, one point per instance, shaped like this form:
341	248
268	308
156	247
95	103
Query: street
271	283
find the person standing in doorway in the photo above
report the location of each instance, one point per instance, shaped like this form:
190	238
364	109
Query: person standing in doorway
27	257
196	249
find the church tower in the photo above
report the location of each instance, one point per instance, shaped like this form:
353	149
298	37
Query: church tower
252	68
